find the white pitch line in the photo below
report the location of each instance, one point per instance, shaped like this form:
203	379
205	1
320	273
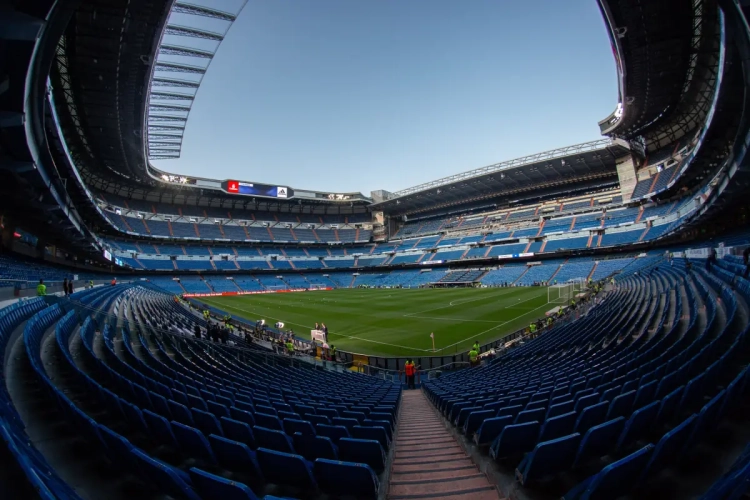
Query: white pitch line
494	327
450	304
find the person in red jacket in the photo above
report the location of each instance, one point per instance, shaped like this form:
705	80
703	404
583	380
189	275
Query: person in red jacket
410	370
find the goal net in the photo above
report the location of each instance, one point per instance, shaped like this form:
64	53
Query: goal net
274	288
560	294
317	286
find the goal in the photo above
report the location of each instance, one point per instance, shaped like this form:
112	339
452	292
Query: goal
317	286
560	294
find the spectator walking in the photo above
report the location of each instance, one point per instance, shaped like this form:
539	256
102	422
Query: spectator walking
65	287
70	287
41	289
410	371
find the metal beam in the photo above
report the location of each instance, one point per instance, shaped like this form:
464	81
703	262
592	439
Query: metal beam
176	50
171	96
163	137
168	107
164	128
164	145
179	68
171	82
195	10
176	30
166	118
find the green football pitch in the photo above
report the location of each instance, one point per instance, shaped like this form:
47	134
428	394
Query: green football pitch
397	322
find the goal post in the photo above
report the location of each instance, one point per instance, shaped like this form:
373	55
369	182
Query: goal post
560	294
317	286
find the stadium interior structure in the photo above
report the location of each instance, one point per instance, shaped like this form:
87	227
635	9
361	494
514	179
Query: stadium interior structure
107	393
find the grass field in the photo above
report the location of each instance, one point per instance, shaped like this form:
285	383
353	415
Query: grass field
397	322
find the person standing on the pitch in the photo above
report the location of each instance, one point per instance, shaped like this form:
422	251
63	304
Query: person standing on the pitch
410	371
324	328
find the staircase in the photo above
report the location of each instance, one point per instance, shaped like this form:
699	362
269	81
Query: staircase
592	271
591	238
294	236
552	278
221	230
524	272
599	241
146	226
640	214
544	244
643	234
270	234
213	266
351	283
169	226
126	224
197	233
428	462
572	224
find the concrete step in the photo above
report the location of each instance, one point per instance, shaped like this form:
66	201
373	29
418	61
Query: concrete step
428	461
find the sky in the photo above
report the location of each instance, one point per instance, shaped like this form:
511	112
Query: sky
359	95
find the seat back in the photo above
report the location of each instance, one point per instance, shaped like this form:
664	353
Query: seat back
234	456
364	451
346	479
600	439
286	468
273	439
238	431
212	487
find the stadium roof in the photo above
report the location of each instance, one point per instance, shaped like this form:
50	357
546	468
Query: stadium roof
657	46
581	163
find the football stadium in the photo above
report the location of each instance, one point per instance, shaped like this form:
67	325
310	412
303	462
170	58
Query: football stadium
567	324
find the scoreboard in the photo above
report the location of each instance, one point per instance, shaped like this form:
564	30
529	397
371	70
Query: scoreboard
254	189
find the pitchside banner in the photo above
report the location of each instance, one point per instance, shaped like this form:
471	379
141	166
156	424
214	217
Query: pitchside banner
318	335
225	294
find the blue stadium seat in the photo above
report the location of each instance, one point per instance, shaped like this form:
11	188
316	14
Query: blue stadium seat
491	429
207	422
364	451
638	425
286	468
670	445
238	431
372	433
312	447
292	425
548	459
621	405
212	487
193	443
560	409
530	416
218	409
335	432
180	413
165	477
591	416
268	421
515	439
343	479
242	415
160	429
600	439
235	456
273	439
558	426
614	480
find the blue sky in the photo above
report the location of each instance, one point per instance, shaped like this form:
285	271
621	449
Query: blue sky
357	95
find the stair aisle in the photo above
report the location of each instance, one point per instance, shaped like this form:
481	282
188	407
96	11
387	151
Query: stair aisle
428	461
